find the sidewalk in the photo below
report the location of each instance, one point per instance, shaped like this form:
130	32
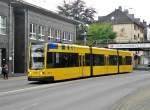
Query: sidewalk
142	67
14	75
139	100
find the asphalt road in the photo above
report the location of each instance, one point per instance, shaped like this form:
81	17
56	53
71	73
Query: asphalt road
114	92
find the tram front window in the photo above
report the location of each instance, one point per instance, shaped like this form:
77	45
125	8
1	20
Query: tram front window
37	57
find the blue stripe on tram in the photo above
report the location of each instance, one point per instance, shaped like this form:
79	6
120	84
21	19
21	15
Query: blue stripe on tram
63	46
52	46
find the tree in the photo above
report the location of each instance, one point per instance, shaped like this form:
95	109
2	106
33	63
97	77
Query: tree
65	9
78	11
88	15
100	32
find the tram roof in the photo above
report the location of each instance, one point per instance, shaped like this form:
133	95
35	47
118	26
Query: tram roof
55	45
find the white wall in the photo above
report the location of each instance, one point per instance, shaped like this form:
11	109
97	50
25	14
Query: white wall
148	34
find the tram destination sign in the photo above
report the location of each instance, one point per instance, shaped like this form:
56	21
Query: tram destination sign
126	46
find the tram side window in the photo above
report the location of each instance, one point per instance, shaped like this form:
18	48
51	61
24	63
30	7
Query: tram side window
113	60
120	60
128	60
87	59
98	60
61	60
50	60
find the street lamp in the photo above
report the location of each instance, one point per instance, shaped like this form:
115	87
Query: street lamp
86	27
83	29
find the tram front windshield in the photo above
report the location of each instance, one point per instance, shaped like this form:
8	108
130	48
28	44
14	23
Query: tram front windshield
37	57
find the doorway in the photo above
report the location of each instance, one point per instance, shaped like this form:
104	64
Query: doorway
2	57
19	42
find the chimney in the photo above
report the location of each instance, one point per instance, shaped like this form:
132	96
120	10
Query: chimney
120	8
144	22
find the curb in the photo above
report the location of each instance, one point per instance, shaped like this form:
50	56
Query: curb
14	75
142	69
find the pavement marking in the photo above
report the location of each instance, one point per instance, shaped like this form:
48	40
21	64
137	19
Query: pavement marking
26	89
49	85
35	88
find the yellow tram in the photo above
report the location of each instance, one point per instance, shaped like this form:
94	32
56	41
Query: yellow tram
55	61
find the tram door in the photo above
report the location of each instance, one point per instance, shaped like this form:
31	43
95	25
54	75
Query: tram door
106	64
81	63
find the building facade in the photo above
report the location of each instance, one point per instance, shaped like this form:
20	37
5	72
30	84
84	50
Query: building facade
5	33
22	23
128	28
128	33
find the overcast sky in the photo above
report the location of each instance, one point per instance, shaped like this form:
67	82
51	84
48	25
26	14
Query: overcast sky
140	8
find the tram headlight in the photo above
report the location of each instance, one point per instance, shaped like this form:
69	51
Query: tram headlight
29	73
41	73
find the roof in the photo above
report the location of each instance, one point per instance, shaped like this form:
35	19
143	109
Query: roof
54	45
23	4
7	1
120	17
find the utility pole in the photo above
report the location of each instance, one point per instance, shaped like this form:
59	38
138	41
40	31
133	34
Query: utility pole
85	39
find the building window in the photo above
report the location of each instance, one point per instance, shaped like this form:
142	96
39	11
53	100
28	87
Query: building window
141	39
71	37
64	36
41	33
33	31
51	34
3	25
58	35
135	38
142	30
135	27
122	29
138	35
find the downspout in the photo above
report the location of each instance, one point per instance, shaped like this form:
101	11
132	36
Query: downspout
10	40
27	39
